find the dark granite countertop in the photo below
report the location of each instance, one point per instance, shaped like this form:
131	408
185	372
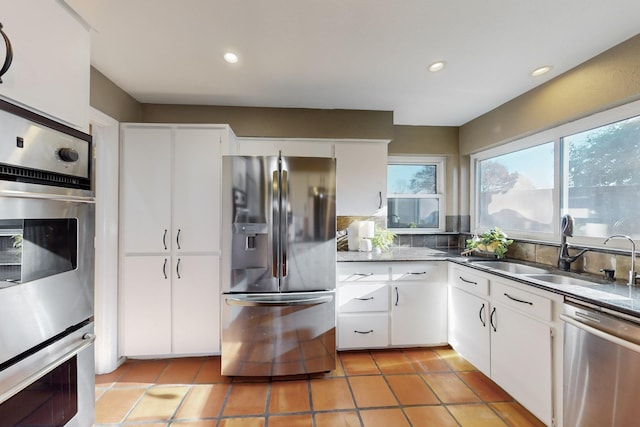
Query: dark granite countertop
610	296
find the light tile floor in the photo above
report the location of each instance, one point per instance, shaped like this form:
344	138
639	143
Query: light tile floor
400	387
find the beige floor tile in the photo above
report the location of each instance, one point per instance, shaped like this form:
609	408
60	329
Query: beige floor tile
330	394
358	363
392	362
371	391
141	372
384	418
180	371
289	396
242	422
246	399
337	419
449	388
426	360
484	387
159	403
454	360
411	390
114	404
198	423
297	420
203	401
515	415
210	372
430	416
475	415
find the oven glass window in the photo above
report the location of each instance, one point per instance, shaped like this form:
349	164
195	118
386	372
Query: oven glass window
51	400
32	249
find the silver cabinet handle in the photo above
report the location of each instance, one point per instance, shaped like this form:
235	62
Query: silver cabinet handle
397	296
467	281
178	238
484	322
164	269
517	300
365	299
178	269
363	332
380	198
363	274
164	239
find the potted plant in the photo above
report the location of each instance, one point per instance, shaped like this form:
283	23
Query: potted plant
494	242
382	239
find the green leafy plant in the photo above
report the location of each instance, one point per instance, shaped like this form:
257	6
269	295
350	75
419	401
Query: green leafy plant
382	239
494	241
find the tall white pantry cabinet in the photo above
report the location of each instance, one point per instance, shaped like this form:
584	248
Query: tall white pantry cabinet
170	238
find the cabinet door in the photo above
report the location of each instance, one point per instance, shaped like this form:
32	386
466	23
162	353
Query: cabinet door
146	190
145	304
521	360
288	147
195	305
469	328
418	313
361	175
51	62
196	190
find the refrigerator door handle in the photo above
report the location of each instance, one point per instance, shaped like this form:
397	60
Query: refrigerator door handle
275	248
266	301
284	223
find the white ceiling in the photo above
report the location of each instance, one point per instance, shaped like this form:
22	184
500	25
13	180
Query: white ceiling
349	54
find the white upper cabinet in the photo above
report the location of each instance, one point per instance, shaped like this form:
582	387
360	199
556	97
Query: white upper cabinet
50	70
361	174
288	147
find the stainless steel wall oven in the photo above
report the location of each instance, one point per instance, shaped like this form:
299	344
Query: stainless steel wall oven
46	272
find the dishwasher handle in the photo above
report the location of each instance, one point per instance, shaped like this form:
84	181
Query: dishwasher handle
601	334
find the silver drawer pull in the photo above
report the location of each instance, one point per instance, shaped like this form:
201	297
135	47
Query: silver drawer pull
365	299
363	274
467	281
517	300
364	333
417	272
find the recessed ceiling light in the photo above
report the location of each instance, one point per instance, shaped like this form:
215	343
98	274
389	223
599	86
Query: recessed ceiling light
231	57
436	66
540	71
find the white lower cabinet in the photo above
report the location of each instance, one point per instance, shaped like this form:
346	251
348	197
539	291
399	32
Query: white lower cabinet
383	304
418	304
170	305
505	332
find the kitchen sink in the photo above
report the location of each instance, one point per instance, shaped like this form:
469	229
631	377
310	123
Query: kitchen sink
510	267
561	280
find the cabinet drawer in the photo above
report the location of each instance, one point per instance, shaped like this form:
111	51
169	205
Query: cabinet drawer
363	330
433	271
520	300
363	297
469	281
363	272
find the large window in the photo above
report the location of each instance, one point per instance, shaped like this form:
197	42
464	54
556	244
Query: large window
589	169
415	201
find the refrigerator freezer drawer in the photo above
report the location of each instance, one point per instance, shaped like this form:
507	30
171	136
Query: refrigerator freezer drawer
278	334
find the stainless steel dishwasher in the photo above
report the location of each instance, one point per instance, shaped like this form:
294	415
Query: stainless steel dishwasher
601	368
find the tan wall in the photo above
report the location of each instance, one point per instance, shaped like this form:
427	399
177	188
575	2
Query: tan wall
279	122
608	80
111	99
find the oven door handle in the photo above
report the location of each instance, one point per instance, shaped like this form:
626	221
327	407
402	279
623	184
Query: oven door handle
86	341
601	334
47	196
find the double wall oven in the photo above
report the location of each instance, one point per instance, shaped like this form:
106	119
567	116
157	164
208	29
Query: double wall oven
46	272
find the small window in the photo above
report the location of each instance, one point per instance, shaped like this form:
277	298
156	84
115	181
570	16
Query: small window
415	202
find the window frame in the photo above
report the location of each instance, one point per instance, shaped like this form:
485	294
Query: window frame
440	163
554	135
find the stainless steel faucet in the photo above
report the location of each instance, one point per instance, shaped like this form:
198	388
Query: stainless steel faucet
632	272
564	259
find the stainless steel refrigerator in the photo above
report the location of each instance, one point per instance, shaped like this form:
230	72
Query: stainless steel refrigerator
278	265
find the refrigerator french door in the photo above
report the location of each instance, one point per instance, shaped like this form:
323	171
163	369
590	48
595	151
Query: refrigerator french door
278	265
